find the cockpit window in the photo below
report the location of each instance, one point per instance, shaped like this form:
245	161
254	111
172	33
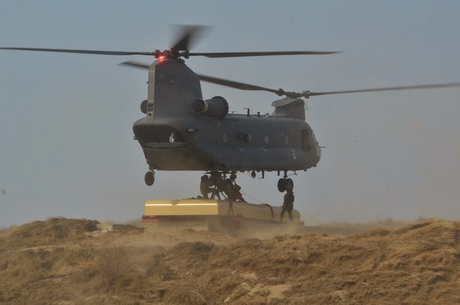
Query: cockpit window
158	134
308	139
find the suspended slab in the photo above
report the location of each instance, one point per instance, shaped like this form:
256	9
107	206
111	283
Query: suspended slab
187	210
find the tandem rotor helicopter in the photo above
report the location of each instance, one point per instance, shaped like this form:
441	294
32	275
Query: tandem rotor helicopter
182	131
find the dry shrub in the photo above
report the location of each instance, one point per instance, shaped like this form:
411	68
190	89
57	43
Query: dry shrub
156	269
111	263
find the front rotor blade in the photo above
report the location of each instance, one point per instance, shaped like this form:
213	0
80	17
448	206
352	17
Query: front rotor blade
81	51
188	35
233	84
134	64
209	79
249	54
429	86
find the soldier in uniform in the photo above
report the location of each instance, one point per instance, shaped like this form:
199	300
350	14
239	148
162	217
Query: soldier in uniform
288	204
236	194
206	186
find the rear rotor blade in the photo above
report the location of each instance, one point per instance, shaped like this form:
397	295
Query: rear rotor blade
81	51
306	94
251	54
429	86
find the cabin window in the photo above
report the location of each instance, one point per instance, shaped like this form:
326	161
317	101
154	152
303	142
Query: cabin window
307	143
224	137
267	139
247	138
286	139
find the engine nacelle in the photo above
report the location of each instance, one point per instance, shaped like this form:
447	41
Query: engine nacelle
215	107
144	106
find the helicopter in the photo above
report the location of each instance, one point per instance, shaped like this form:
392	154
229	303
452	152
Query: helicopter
182	131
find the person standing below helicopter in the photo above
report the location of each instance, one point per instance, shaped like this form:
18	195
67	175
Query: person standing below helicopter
206	186
288	204
235	190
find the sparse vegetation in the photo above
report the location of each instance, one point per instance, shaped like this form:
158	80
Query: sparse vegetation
64	261
111	263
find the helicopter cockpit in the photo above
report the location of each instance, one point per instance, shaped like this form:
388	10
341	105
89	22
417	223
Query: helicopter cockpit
146	135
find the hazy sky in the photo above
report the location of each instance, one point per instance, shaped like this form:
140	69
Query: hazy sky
66	143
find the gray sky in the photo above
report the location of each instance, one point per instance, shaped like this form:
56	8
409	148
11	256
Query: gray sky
66	143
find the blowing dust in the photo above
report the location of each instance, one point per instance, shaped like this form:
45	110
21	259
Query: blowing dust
71	261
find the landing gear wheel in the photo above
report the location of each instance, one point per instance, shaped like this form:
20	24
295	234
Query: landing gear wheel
282	185
149	178
289	182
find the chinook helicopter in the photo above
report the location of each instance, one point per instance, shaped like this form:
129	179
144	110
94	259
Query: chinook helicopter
182	131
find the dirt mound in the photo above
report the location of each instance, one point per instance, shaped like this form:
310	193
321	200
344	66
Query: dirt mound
415	264
53	230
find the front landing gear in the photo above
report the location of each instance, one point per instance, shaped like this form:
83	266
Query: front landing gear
149	178
283	182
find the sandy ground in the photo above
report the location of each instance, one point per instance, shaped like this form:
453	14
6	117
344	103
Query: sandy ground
171	236
75	261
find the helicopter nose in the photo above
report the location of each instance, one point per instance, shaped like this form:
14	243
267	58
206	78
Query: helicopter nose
318	154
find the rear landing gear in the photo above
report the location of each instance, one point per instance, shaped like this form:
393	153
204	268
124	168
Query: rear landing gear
283	182
149	178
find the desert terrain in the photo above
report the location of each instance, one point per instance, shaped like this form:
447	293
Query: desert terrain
78	261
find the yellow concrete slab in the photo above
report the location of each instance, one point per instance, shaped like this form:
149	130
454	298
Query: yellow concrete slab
211	207
189	207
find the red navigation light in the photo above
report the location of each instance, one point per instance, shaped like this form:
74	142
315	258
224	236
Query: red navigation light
161	58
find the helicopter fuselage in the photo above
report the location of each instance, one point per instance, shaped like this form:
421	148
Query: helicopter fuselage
182	132
234	143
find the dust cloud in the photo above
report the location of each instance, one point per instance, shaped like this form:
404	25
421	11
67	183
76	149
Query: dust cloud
78	261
